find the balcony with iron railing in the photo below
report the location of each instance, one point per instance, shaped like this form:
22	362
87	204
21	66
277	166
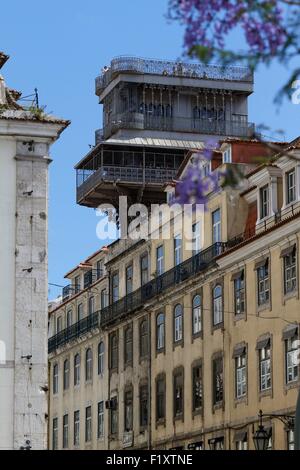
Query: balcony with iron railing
236	127
171	278
138	65
137	299
89	278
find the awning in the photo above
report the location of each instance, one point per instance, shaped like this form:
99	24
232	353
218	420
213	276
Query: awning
241	435
262	262
287	251
237	275
263	343
290	332
239	351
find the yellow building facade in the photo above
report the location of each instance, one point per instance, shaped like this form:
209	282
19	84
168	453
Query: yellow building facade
183	344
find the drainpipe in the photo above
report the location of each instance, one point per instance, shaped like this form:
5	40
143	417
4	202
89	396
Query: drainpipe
149	384
297	424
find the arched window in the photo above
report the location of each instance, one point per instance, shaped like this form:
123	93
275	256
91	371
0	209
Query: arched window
128	345
178	323
100	358
55	378
69	318
197	320
217	305
88	364
143	338
77	369
66	374
160	331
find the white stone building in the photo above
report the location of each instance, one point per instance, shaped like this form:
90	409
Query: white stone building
25	140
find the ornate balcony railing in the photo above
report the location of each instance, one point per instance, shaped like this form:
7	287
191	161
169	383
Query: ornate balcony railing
87	180
236	127
137	299
172	68
74	331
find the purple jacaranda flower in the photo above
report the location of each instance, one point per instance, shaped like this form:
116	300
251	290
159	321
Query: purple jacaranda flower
208	23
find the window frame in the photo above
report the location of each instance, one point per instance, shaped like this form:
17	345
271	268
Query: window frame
178	324
217	305
66	374
77	371
88	424
101	351
89	365
160	332
197	314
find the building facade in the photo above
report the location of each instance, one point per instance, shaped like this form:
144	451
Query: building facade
25	140
200	330
191	345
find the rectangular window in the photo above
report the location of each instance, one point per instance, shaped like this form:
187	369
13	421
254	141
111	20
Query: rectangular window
159	260
291	186
217	380
196	238
55	379
59	324
55	434
241	445
264	201
80	312
115	287
291	439
69	318
76	428
144	338
91	305
240	376
227	155
265	366
292	353
177	250
239	294
99	269
160	398
104	299
290	272
216	444
216	226
77	284
65	431
128	411
143	405
128	345
129	279
178	394
197	388
144	269
263	284
100	419
88	424
114	416
114	351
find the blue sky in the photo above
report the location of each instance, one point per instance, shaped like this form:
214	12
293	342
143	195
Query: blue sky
60	47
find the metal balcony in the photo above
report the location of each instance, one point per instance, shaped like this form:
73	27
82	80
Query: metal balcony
237	127
137	299
137	65
74	331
